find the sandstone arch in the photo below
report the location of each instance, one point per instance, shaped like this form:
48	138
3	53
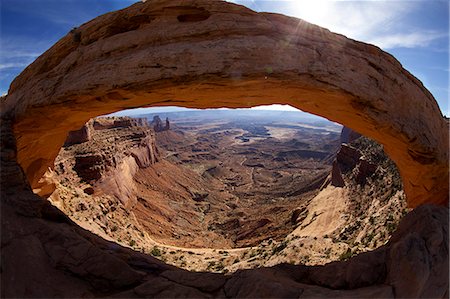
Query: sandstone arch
210	54
203	53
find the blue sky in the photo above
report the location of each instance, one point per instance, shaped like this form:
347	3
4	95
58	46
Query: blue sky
416	32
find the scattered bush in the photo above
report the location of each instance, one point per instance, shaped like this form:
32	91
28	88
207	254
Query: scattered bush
279	248
155	251
219	267
346	255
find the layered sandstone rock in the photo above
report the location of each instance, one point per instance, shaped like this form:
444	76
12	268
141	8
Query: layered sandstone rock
204	54
117	148
79	136
349	158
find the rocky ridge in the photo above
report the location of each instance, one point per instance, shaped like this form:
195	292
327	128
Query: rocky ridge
109	152
115	184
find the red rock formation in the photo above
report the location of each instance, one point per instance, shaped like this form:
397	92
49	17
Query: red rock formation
117	122
348	157
119	147
336	175
365	169
224	55
207	53
167	124
79	136
158	124
44	254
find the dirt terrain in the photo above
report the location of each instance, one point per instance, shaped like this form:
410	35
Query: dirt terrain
214	197
257	176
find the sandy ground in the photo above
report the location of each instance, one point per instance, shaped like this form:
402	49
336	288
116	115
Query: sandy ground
325	213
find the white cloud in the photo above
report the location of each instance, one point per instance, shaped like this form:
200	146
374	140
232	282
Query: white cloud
12	65
386	24
18	52
406	40
383	23
5	54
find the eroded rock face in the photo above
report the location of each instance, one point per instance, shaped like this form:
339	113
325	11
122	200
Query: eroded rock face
79	136
116	149
210	54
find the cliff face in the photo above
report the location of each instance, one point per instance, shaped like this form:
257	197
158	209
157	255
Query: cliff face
362	201
107	153
177	206
115	184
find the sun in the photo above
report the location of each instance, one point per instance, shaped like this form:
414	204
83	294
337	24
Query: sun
312	11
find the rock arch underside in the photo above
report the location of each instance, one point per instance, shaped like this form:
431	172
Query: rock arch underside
210	54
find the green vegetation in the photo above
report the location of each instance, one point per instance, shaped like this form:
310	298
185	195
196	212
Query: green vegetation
391	227
219	267
279	247
346	255
155	251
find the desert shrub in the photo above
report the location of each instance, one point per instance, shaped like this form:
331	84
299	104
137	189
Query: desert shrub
219	267
346	255
155	251
279	248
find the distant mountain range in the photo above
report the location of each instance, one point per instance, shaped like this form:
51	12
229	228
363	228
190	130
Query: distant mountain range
232	115
223	113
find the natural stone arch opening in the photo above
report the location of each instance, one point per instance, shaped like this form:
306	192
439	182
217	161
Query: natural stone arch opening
184	54
231	201
217	54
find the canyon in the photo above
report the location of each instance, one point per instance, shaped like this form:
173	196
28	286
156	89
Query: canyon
203	184
229	190
211	54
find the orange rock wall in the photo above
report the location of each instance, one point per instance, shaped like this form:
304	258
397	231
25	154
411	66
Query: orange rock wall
211	54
